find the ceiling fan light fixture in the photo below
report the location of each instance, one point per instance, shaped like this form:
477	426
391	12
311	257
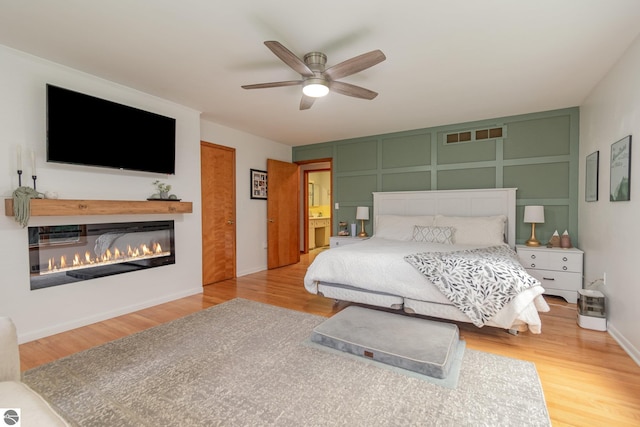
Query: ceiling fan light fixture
315	88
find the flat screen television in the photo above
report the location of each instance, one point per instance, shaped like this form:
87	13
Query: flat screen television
85	130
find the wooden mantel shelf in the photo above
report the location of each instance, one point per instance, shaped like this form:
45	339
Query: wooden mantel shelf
61	207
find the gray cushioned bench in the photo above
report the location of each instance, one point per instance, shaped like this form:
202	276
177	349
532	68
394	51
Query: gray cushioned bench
420	345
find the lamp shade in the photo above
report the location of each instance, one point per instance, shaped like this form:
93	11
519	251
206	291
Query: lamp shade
534	214
362	212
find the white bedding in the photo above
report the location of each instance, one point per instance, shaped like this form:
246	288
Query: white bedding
378	265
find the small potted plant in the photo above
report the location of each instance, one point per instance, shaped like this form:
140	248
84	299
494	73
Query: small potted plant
163	190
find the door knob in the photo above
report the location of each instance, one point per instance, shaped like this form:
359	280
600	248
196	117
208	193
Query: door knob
230	222
270	220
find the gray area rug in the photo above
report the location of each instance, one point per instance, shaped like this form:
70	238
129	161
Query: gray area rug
244	363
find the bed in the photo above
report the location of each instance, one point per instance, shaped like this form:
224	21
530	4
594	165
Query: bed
425	241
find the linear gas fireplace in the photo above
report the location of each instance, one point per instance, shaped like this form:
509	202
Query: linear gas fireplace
60	254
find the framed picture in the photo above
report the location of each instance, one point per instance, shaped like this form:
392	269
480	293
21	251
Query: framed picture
591	178
258	182
620	182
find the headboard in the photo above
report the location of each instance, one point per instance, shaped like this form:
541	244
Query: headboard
481	202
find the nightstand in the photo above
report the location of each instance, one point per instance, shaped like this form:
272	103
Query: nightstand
559	270
337	241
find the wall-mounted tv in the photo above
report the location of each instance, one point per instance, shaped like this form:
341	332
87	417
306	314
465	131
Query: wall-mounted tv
85	130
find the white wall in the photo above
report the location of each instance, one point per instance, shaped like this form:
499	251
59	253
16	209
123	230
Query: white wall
251	214
22	110
609	232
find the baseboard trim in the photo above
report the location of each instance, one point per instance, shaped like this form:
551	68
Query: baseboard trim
251	270
633	352
77	323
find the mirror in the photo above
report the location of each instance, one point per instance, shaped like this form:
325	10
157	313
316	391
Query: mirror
311	191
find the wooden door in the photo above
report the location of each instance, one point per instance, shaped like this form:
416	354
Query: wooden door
218	212
283	214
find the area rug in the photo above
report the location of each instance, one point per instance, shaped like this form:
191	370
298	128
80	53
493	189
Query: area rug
244	363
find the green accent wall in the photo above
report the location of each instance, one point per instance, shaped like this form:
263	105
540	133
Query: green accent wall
537	154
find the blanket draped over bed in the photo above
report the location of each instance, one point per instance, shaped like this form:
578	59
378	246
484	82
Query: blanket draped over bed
480	282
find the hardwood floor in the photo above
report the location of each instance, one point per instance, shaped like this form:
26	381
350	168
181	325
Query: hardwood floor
588	380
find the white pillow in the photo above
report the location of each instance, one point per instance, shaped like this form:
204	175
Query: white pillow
399	227
430	234
475	230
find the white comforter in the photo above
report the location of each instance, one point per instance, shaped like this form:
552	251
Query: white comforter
378	265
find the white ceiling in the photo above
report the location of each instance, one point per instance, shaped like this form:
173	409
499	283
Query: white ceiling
448	61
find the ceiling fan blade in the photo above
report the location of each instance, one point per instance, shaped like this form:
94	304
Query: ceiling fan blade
355	64
306	102
352	90
289	58
273	84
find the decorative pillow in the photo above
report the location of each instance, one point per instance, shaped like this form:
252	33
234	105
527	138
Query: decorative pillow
429	234
399	227
475	230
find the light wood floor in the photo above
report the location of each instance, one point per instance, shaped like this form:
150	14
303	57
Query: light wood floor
588	380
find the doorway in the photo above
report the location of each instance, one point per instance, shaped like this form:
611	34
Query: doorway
317	204
318	185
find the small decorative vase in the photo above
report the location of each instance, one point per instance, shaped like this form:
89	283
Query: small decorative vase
164	194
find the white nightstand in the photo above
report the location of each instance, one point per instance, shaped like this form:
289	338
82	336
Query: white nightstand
336	241
559	270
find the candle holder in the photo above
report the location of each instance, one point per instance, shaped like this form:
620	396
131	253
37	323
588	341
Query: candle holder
34	181
19	177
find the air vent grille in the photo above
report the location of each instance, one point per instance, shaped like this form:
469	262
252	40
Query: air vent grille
474	135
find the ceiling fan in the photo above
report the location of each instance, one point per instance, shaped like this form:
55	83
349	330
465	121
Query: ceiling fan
316	80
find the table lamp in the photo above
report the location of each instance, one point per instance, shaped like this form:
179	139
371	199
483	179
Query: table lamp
533	215
362	213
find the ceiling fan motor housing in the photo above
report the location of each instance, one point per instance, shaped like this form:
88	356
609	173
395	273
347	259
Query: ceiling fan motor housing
315	61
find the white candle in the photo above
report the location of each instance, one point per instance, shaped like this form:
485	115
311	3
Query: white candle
19	151
33	163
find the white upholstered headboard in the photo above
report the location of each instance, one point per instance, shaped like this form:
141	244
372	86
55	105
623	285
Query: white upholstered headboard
481	202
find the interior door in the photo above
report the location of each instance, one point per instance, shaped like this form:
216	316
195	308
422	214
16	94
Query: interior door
283	214
218	212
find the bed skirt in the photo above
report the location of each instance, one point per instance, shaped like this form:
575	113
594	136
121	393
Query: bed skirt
424	308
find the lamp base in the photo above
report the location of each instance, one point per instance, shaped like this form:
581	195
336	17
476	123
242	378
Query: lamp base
533	242
362	233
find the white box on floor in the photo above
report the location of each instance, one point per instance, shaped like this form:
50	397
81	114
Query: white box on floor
595	323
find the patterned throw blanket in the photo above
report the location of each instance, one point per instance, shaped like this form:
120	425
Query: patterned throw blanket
477	281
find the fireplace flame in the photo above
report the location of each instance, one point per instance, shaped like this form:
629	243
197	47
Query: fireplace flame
118	255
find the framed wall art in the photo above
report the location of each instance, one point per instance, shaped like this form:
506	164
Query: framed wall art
258	182
620	182
591	177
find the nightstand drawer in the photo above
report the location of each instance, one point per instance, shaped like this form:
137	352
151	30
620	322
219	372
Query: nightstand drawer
337	241
557	279
551	260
